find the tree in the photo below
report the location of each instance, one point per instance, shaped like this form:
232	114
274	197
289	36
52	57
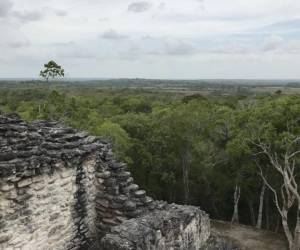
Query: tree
52	69
117	136
273	127
261	205
284	163
236	198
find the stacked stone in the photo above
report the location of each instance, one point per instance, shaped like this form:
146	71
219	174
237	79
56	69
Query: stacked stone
118	198
35	148
46	187
172	227
35	213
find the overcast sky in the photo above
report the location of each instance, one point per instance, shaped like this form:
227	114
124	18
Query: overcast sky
152	39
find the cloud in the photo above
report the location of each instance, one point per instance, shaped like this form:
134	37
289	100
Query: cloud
162	46
294	47
103	19
273	42
162	6
18	44
113	35
233	48
76	54
5	7
179	48
28	16
61	13
139	7
182	34
63	44
282	27
202	3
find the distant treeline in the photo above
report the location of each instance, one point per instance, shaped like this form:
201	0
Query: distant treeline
139	82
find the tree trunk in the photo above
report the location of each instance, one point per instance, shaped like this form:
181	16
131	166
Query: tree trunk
261	205
287	232
185	162
277	227
39	109
211	198
236	199
297	232
252	214
267	210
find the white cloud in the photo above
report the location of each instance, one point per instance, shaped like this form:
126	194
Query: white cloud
155	37
139	6
5	7
61	13
28	16
19	44
294	46
113	35
273	42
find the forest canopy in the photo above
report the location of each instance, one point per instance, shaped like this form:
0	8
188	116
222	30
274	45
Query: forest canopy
210	151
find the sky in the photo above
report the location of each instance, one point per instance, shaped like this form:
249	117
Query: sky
172	39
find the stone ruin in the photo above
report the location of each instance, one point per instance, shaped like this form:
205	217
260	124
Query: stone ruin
63	189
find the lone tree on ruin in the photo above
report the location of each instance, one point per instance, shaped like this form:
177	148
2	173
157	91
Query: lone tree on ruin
52	69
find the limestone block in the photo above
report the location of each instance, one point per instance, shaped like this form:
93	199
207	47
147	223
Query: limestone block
5	237
103	175
102	202
66	173
110	182
129	206
39	186
5	187
38	178
177	227
25	182
12	194
110	222
123	175
120	198
100	181
140	194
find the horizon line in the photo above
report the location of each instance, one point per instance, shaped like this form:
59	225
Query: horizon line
154	79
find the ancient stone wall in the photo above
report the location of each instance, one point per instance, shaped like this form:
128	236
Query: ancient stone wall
47	189
170	227
63	189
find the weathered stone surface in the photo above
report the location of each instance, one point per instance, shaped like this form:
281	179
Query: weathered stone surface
5	238
130	206
103	175
177	227
24	183
6	187
140	194
47	189
121	198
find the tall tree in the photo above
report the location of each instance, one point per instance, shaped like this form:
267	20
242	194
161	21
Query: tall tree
261	205
236	199
52	69
284	163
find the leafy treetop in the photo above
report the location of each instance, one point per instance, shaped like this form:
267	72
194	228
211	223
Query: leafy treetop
52	69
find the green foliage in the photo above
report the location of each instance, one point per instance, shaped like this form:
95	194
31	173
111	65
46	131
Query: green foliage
117	136
52	70
153	132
